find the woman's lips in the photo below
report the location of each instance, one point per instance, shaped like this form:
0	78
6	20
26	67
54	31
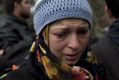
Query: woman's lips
70	57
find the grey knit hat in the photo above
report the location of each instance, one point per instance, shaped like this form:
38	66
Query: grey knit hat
48	11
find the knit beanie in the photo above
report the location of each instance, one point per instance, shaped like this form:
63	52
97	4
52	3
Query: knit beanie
48	11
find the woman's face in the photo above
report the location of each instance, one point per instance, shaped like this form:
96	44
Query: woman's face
68	39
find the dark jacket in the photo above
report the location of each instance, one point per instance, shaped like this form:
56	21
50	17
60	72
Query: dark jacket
15	40
30	71
107	51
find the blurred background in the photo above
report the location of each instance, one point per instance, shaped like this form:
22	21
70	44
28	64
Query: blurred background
101	20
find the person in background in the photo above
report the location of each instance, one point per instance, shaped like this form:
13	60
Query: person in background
107	48
60	51
15	35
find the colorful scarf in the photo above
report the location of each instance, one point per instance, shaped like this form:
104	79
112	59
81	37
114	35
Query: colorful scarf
53	68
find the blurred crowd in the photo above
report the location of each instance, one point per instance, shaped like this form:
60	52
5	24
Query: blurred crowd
16	33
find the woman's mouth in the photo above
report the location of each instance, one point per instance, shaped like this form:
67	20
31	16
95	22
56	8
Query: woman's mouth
70	57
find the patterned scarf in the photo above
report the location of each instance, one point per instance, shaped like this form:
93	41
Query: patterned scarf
53	68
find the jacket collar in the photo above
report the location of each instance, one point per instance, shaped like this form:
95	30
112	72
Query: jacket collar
113	32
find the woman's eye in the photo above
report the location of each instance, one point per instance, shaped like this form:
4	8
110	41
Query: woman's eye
82	32
60	35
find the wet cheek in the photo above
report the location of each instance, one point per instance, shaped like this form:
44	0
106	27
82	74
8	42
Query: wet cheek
56	49
86	39
84	42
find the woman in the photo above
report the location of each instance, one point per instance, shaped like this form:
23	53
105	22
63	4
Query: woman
60	52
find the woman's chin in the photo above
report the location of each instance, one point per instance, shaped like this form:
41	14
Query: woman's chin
70	62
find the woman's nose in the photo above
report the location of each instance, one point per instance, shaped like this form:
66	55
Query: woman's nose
74	42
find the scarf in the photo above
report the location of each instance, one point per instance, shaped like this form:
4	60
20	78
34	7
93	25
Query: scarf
53	68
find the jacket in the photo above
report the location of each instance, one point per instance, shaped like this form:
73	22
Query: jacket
15	39
107	51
